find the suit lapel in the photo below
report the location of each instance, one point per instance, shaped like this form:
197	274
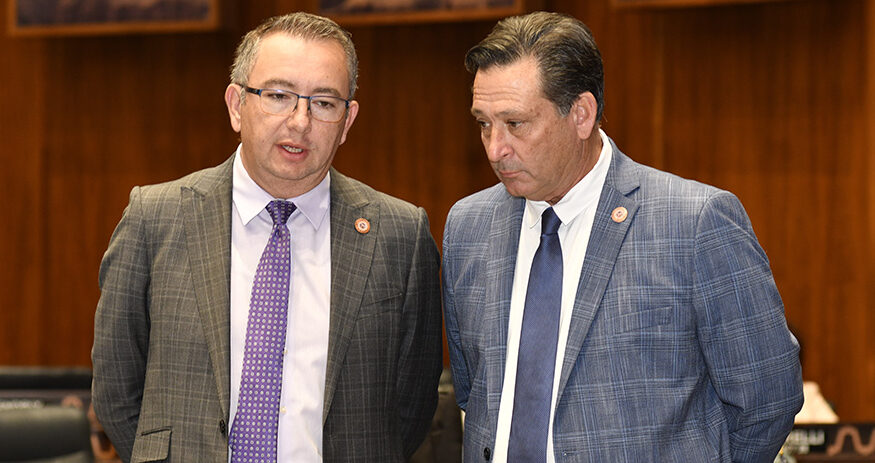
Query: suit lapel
604	245
351	256
504	239
206	206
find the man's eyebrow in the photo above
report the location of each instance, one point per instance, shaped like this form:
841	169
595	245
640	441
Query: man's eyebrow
327	91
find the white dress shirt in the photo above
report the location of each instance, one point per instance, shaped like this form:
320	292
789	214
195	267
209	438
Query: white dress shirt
306	355
576	210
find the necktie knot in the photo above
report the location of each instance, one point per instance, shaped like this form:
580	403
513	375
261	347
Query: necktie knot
280	211
550	222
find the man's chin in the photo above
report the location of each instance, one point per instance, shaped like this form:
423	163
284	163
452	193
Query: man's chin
512	189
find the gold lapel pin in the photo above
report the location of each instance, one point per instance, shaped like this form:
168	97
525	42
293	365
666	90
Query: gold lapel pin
619	214
362	225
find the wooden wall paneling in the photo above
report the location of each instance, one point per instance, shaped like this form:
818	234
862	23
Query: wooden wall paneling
140	109
253	13
22	241
867	255
843	157
632	47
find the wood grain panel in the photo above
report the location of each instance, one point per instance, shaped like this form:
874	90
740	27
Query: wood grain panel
866	368
23	257
146	109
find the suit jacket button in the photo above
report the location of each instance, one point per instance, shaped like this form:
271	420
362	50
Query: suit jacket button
487	454
222	426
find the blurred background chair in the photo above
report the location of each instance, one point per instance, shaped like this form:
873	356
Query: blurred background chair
45	434
43	414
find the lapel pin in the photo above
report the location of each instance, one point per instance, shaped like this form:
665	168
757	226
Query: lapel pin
362	225
619	214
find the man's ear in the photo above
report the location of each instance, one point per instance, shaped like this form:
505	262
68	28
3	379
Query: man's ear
352	112
584	112
233	102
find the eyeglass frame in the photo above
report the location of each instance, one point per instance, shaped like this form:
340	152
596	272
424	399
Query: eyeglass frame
309	98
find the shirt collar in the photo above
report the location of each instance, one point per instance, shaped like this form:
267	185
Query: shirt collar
250	199
581	196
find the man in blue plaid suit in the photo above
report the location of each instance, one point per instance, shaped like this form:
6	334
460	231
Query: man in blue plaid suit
670	338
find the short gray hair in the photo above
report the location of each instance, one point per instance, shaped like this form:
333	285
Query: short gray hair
304	25
568	59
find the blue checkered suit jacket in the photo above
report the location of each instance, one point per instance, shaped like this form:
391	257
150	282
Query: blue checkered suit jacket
161	350
678	349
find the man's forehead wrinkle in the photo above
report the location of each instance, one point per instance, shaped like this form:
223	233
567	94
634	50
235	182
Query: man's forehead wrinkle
501	109
277	82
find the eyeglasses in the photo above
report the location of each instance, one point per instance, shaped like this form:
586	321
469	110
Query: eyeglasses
323	108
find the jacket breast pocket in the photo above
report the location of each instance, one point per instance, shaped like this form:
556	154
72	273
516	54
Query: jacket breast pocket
380	301
642	319
152	445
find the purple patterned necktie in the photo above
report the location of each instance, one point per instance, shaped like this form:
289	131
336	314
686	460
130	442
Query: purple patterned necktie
254	432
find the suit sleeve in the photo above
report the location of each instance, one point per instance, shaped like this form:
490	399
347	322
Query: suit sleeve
461	381
752	358
121	329
420	358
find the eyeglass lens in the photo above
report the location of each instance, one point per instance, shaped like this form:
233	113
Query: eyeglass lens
322	108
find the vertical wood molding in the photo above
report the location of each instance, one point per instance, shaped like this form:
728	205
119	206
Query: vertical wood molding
868	368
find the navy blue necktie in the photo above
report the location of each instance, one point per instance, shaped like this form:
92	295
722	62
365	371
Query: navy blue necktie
537	354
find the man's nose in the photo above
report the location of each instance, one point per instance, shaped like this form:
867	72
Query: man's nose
496	144
299	119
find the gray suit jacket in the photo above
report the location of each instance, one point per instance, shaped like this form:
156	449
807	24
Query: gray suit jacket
161	350
678	349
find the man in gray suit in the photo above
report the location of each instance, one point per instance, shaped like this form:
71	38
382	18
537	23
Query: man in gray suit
189	364
598	310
